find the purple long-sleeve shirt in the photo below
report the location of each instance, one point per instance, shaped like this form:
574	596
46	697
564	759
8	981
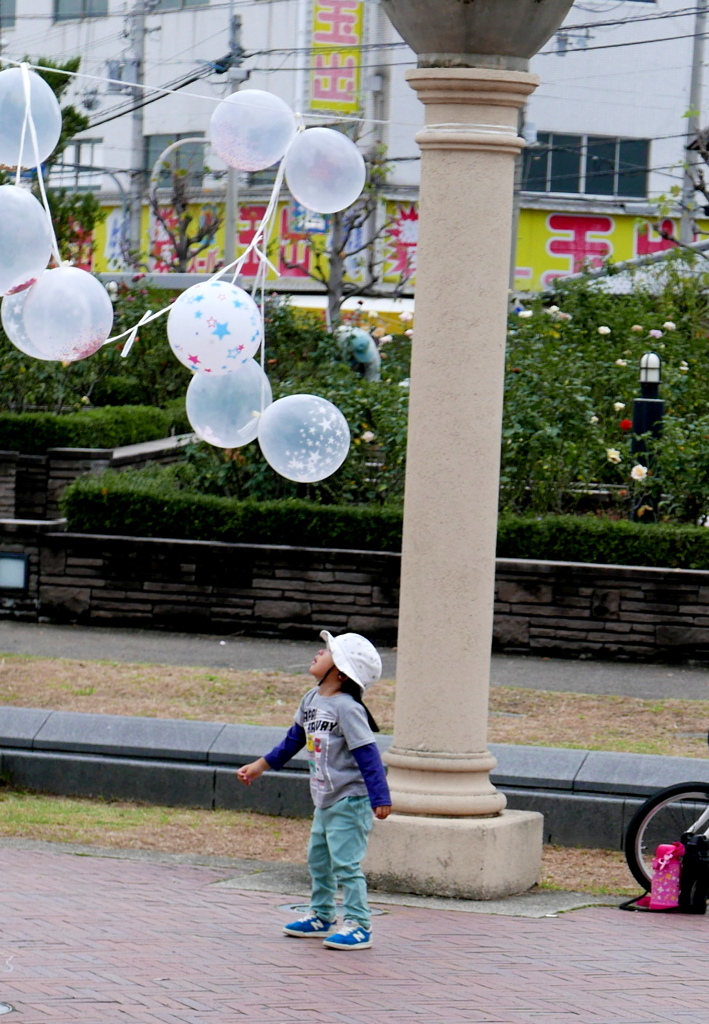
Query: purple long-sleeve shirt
368	760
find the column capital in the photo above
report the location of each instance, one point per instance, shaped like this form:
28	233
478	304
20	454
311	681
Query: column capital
472	87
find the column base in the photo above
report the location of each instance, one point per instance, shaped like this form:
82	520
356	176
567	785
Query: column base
472	858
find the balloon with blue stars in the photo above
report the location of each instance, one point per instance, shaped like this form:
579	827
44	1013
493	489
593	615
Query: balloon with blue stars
214	327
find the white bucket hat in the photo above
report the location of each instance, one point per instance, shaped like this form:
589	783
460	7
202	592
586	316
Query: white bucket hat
355	656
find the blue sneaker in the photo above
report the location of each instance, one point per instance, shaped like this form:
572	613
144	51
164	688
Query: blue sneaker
350	936
310	927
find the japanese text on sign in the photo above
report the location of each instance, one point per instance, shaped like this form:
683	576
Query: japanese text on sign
335	74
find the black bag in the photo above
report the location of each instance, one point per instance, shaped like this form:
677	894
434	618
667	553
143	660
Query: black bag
694	880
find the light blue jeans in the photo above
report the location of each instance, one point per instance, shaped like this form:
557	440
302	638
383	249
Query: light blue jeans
338	843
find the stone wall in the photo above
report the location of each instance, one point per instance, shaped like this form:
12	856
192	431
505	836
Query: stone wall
555	608
31	485
212	587
605	611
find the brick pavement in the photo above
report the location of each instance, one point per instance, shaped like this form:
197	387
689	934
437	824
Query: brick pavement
92	940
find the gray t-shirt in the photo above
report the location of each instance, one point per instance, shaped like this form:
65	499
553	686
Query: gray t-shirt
334	726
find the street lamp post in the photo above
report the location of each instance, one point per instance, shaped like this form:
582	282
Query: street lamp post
449	832
648	411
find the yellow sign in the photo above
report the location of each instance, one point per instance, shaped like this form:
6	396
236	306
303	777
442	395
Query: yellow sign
336	62
550	245
553	245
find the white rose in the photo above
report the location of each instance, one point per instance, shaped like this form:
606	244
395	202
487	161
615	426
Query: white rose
406	318
638	472
636	327
618	406
368	435
553	309
669	326
524	314
621	362
604	330
683	367
594	419
613	455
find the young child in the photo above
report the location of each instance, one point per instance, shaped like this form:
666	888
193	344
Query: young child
346	777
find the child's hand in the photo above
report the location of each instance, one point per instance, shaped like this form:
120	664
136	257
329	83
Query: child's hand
382	812
248	772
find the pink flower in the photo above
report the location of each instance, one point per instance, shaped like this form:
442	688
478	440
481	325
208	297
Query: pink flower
655	334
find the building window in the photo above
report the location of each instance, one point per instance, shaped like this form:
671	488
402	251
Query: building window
595	165
7	13
70	10
188	158
79	166
178	5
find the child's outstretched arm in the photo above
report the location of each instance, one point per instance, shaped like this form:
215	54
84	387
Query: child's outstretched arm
293	741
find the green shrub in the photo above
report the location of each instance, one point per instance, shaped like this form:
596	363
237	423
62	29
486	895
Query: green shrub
603	541
32	433
151	505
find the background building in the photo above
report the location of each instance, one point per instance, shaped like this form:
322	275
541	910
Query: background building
606	128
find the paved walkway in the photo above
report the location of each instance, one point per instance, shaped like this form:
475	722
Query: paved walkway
142	645
102	941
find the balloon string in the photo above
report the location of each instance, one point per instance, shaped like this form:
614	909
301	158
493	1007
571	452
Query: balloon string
236	265
24	67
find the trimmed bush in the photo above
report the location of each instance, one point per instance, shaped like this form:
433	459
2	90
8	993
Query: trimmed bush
144	506
150	504
603	541
32	433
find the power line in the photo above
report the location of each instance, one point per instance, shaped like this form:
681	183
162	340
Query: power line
613	46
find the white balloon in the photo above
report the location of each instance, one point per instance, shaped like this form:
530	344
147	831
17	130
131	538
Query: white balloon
225	410
14	325
25	238
251	129
304	438
46	115
214	327
68	314
324	170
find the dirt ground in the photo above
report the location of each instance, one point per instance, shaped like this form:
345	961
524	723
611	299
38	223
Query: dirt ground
543	718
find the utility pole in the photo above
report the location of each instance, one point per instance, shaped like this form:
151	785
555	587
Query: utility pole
693	124
137	36
236	76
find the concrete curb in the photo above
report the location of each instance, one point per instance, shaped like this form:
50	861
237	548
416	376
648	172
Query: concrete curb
587	797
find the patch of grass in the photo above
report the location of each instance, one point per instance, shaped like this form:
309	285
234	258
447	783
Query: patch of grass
140	826
126	825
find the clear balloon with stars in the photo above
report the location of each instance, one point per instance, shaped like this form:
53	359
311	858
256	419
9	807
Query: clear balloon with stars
224	410
214	327
25	239
13	324
304	438
324	170
67	314
46	114
251	129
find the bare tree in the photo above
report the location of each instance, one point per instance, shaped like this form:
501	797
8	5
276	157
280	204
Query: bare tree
701	185
329	258
186	236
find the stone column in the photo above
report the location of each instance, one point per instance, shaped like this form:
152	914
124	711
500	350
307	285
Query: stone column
449	832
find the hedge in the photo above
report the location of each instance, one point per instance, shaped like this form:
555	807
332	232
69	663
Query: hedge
32	433
603	541
151	506
115	503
